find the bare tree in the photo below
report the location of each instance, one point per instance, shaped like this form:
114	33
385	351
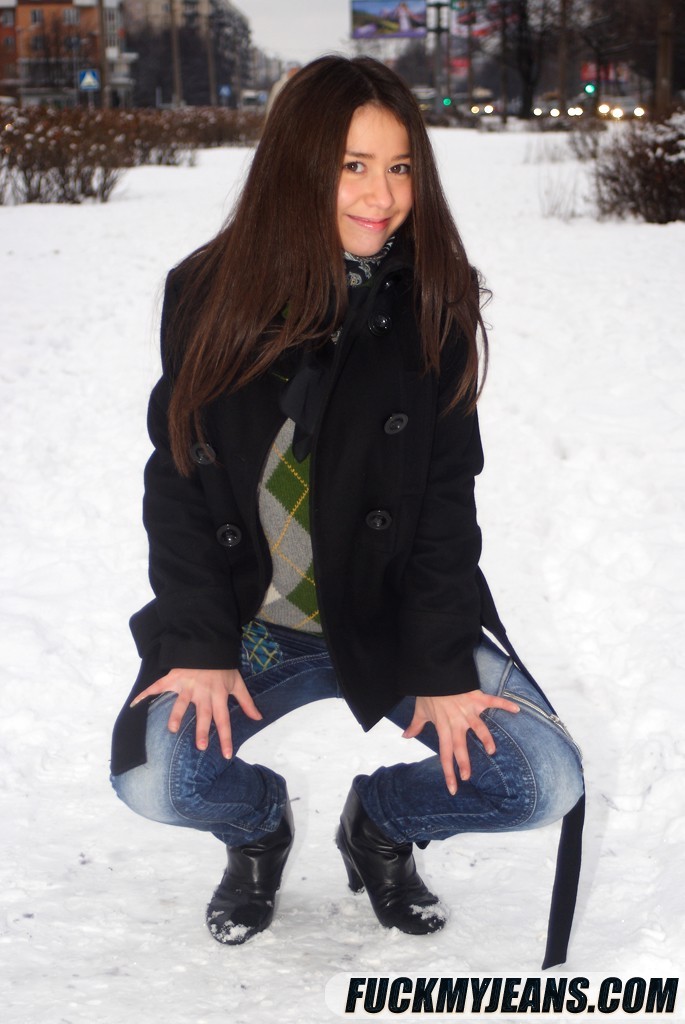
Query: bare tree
521	33
647	35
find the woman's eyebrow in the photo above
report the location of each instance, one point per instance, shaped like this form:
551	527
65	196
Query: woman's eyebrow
371	156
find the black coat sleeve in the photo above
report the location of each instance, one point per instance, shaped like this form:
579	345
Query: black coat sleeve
194	614
441	617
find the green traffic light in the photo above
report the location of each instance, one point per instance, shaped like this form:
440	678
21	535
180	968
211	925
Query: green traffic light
590	88
447	102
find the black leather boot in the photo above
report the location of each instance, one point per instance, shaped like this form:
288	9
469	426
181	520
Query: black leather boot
387	872
243	903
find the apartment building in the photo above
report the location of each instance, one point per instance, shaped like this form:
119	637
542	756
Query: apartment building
52	51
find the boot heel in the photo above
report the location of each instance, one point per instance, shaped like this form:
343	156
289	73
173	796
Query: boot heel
388	873
353	877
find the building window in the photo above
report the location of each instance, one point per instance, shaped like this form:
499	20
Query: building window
36	17
9	42
38	44
7	19
71	16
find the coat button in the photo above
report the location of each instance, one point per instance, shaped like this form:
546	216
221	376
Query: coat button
379	519
202	454
395	423
390	282
229	535
380	324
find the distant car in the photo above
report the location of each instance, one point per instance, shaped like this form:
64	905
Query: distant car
546	108
610	107
619	107
425	96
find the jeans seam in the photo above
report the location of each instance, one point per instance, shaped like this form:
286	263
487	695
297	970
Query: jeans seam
173	781
532	784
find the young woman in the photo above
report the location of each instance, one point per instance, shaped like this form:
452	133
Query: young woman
310	511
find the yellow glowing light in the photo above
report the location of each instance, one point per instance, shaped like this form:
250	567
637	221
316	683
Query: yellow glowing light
475	110
604	108
639	111
617	113
554	112
488	109
537	111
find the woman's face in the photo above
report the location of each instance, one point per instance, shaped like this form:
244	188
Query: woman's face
375	189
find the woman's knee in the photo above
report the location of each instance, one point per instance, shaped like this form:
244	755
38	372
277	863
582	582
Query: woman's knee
145	790
559	784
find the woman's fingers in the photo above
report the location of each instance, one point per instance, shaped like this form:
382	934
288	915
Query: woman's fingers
481	730
222	722
181	705
244	699
159	686
453	716
414	727
208	690
203	721
500	702
451	751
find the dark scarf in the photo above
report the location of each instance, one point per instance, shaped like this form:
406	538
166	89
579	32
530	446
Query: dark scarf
301	399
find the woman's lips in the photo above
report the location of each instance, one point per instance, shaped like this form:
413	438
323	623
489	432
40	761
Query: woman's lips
371	225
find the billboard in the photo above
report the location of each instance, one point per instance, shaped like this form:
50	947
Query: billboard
383	19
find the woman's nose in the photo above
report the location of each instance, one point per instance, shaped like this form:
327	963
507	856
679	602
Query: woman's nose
380	193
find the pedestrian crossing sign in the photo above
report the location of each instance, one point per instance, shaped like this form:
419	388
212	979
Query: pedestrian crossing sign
89	80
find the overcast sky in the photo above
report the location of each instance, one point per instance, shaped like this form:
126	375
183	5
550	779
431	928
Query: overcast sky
298	30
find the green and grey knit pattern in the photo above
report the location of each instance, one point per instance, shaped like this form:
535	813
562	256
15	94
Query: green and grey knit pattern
284	512
284	506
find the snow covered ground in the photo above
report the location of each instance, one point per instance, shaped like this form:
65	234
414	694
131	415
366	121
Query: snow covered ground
581	505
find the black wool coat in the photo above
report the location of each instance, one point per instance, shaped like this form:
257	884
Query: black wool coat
393	519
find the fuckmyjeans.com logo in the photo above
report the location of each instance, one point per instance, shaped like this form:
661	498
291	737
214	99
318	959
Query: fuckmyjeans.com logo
414	997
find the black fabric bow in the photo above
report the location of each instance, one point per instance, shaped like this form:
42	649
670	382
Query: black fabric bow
303	397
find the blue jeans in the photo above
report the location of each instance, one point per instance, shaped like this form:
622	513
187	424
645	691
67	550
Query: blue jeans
533	778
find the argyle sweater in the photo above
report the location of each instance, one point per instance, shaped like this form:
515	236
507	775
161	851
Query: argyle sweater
284	508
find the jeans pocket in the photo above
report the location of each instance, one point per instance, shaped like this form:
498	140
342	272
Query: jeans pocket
259	650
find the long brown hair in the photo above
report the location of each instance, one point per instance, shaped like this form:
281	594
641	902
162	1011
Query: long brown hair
281	247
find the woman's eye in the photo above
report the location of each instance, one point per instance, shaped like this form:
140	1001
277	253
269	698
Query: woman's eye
355	166
401	169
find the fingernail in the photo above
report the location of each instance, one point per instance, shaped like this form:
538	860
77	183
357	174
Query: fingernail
134	702
453	790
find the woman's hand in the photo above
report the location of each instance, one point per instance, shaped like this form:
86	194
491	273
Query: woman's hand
453	716
208	689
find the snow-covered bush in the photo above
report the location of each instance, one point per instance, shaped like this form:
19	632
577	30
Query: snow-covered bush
61	156
641	172
586	138
66	156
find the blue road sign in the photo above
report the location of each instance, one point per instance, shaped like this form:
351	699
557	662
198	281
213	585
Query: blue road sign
89	80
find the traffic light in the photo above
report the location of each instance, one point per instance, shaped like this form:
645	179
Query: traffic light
446	101
590	88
